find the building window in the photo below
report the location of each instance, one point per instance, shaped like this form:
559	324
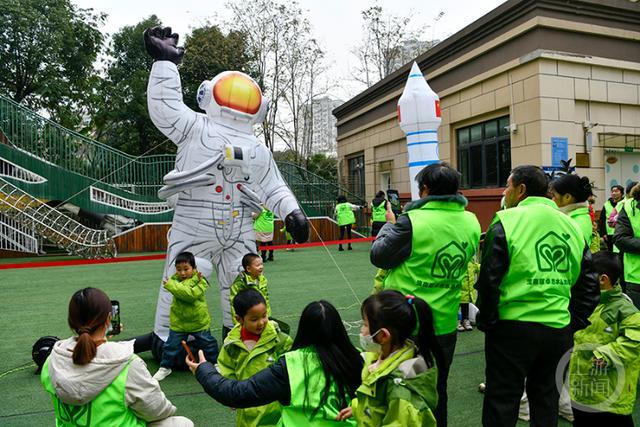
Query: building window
385	181
484	153
356	175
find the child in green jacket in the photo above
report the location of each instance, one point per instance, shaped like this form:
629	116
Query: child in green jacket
250	278
605	362
252	345
398	379
468	294
189	315
288	237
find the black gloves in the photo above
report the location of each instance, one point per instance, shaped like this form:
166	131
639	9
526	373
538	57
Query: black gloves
297	225
162	45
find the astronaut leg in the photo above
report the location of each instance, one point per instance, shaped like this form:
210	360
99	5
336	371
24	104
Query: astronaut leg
228	263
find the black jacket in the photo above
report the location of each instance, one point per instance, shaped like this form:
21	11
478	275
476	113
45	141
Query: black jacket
392	246
266	386
624	235
585	293
377	200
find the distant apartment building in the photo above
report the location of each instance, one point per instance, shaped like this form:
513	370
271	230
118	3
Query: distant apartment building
323	126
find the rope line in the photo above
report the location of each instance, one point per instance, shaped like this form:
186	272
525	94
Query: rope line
17	369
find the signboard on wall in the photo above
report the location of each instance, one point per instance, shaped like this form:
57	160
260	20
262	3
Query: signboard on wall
559	150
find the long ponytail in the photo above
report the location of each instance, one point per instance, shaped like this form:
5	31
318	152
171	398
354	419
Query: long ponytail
426	335
88	311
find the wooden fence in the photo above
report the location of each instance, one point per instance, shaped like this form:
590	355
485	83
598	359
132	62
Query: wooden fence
152	237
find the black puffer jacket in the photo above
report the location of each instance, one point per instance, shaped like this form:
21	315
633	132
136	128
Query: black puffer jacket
624	236
585	293
266	386
377	200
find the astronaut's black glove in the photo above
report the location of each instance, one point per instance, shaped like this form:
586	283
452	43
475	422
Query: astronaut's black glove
297	225
162	45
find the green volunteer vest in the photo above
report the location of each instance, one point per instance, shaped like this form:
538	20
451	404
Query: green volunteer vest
608	207
307	381
345	214
583	219
264	222
444	239
545	253
107	409
619	207
379	212
632	261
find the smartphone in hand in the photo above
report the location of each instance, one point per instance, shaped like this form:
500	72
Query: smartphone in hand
114	328
188	350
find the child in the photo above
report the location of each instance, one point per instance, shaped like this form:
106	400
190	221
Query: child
467	294
594	245
250	278
287	236
263	225
252	345
378	280
189	314
398	380
606	352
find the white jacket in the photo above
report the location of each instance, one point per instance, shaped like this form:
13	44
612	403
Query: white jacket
77	385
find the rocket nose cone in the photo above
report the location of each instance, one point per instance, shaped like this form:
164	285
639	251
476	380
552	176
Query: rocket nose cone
416	85
415	70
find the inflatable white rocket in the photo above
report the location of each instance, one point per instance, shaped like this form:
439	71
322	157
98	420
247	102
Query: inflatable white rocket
419	118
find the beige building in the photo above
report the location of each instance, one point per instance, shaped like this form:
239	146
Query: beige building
532	82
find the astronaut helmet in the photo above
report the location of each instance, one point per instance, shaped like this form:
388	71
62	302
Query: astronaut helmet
233	99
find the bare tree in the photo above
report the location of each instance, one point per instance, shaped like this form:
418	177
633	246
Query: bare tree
388	43
303	64
265	24
287	61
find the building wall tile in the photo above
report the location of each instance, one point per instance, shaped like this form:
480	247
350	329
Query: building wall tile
622	93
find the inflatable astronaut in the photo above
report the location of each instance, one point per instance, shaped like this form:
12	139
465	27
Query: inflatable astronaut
222	173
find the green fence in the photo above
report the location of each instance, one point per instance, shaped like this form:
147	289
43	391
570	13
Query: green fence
48	141
72	162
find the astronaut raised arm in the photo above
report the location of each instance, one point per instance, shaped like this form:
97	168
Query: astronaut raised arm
164	91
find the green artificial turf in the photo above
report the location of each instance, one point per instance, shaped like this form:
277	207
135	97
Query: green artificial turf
34	303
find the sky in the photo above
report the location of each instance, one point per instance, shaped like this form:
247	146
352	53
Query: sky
336	23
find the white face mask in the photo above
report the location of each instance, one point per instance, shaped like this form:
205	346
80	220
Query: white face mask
368	344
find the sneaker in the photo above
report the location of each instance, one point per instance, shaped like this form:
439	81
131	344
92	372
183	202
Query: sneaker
162	374
340	248
466	324
350	248
460	327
